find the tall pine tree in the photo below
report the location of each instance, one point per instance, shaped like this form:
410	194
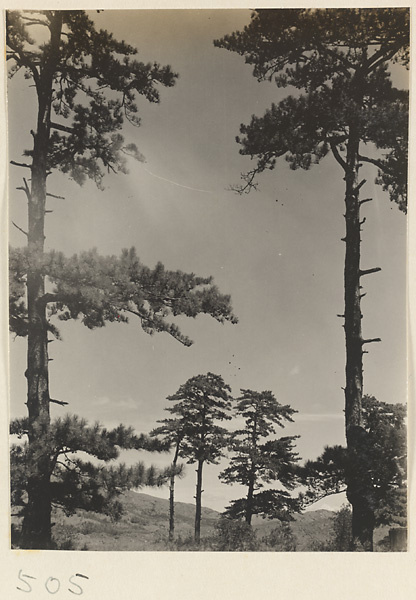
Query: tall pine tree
76	483
256	460
199	404
172	432
349	108
380	465
87	85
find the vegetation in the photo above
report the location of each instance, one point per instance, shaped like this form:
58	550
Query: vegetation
255	461
173	431
74	482
380	463
87	85
87	88
200	403
349	108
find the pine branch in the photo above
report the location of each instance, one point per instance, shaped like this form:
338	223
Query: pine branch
369	271
359	186
17	164
20	229
54	196
377	163
337	155
60	402
32	21
26	190
63	128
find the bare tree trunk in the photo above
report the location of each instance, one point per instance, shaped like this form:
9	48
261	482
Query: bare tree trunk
36	529
172	508
198	499
172	495
249	500
357	489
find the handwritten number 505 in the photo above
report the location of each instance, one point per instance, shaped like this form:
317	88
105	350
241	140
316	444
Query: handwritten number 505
52	584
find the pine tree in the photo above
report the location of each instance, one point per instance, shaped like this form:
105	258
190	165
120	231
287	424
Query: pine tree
199	404
256	461
75	482
172	432
339	58
87	85
380	463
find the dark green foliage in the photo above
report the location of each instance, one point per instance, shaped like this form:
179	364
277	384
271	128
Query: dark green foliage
280	539
344	102
198	406
256	461
234	535
74	482
99	289
380	461
172	432
328	53
326	475
342	530
273	504
95	82
87	85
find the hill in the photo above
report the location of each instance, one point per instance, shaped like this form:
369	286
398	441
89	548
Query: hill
144	526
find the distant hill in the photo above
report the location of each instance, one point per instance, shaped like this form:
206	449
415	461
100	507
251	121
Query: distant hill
145	523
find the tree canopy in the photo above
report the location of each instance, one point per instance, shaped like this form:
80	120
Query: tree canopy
340	58
199	404
382	454
87	87
344	102
77	483
89	81
256	461
99	289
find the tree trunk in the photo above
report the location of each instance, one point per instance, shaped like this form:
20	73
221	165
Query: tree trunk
362	515
252	476
198	500
249	501
172	495
172	508
36	529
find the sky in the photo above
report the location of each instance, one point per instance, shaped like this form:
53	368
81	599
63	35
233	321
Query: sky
277	252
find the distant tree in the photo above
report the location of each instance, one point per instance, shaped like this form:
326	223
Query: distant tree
380	461
350	109
255	461
86	86
280	539
342	530
199	404
236	535
172	432
77	483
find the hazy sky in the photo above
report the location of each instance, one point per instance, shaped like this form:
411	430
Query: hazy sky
277	251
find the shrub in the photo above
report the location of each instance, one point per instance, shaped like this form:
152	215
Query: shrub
280	539
233	535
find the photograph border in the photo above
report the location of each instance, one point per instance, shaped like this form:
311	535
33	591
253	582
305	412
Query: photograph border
186	576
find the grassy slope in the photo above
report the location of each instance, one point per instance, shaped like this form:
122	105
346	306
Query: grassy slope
144	526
